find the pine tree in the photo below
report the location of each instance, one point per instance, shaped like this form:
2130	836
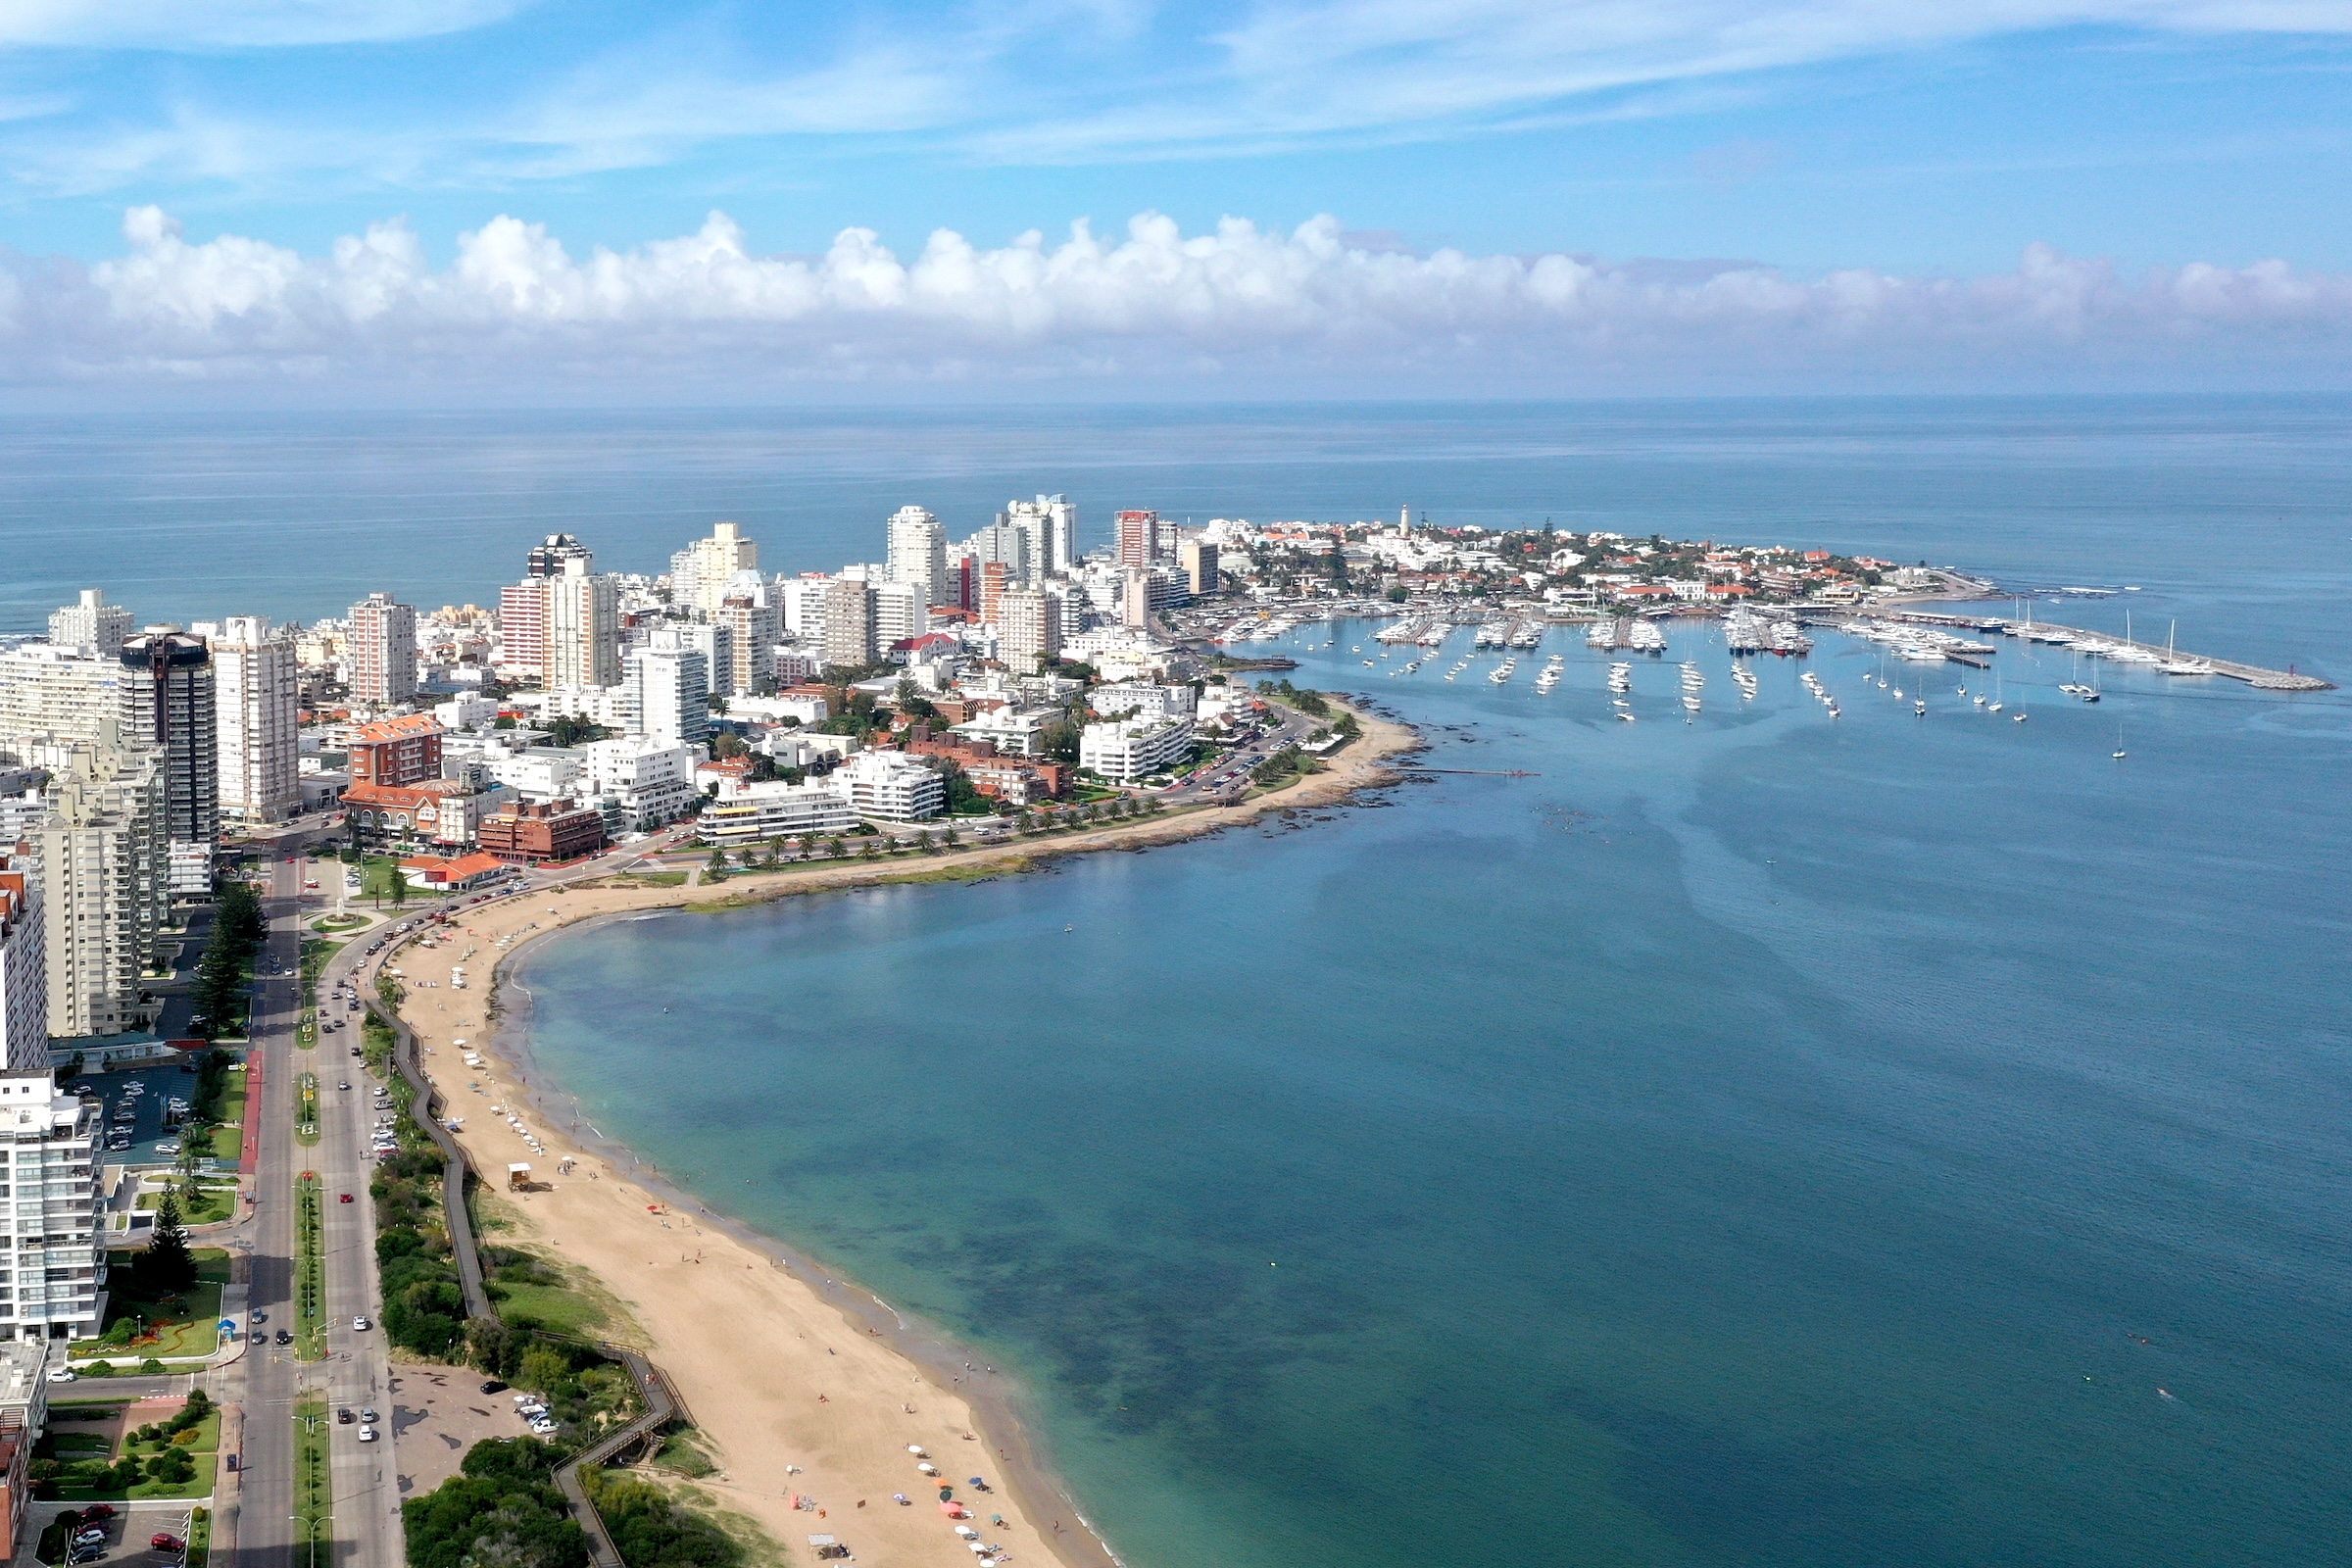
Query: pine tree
168	1265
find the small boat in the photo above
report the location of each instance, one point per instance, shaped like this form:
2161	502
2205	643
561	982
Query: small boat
1920	707
2020	718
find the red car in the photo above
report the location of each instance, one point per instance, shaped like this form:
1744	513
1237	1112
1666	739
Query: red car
345	1199
98	1510
164	1542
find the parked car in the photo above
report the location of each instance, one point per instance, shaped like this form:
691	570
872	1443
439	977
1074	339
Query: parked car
97	1510
493	1386
163	1541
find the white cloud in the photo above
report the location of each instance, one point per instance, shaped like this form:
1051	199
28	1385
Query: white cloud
1240	308
237	24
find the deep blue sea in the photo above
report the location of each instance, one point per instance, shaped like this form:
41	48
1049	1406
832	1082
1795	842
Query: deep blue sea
1761	1140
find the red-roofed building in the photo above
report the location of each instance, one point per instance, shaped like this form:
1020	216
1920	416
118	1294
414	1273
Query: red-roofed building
397	750
453	875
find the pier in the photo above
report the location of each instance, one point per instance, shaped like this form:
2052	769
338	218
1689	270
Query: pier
2254	676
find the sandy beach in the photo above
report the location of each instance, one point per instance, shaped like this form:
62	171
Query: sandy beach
805	1386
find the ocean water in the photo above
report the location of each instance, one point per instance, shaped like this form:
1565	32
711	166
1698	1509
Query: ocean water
1754	1140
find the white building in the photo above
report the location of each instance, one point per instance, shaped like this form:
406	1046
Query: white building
256	699
1013	731
92	626
667	688
700	573
751	813
583	626
23	970
537	773
918	552
104	863
48	689
1142	700
892	786
900	612
649	781
465	713
749	622
54	1247
383	651
1132	750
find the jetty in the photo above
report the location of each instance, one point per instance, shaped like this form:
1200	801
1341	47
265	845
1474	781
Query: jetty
2045	631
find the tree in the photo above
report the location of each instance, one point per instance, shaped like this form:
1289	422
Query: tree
1397	594
400	886
953	837
195	1137
719	864
168	1265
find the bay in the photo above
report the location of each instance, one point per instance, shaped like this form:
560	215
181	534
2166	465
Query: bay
1760	1140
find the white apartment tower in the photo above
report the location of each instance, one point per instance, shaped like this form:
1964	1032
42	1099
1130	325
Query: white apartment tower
583	628
23	970
383	651
700	573
257	697
54	1271
50	689
918	553
668	690
93	626
105	878
1049	525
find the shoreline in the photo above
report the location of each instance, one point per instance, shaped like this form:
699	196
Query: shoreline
800	1293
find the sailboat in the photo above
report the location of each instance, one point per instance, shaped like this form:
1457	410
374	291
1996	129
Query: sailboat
2119	743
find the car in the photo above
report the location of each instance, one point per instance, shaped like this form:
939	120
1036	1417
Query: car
368	1413
345	1199
342	1083
82	1554
283	1338
344	1416
367	1434
89	1538
355	1050
97	1510
63	1373
163	1541
493	1386
360	1325
260	1316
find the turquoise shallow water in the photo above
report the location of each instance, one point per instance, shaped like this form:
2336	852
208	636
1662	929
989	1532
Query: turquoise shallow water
1752	1142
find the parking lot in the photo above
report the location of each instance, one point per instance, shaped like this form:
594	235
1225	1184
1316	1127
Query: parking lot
438	1412
127	1534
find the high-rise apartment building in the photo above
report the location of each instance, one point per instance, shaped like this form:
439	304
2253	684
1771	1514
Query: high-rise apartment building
1197	559
170	704
1028	629
583	628
24	970
1139	538
257	697
1049	525
848	623
92	626
701	574
995	579
668	684
750	625
105	867
47	689
918	553
523	629
1004	544
548	555
51	1228
383	651
900	610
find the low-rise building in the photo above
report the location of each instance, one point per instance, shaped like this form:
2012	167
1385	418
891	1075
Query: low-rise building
746	813
892	786
395	751
527	832
1013	731
446	875
645	781
438	810
1142	700
1134	749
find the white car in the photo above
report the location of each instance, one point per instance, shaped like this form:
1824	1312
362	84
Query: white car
367	1434
361	1324
63	1373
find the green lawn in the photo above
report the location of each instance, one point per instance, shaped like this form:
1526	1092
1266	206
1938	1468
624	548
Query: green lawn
214	1202
658	879
187	1324
314	1498
202	1449
228	1139
336	924
310	1270
557	1308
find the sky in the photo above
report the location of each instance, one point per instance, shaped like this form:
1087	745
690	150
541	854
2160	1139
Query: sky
426	199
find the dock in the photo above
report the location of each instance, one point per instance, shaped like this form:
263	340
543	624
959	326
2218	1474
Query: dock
2254	676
